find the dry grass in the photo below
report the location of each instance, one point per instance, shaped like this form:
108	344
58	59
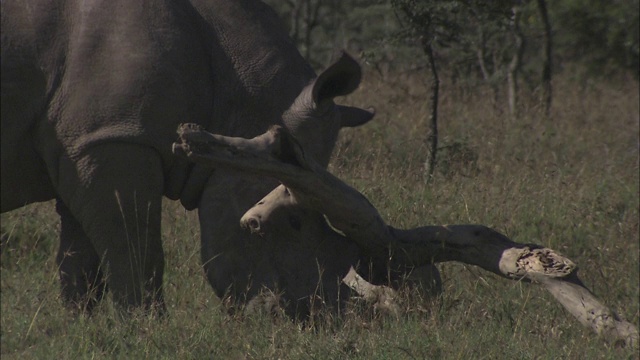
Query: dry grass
569	182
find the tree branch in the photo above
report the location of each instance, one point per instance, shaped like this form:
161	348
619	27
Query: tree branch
277	154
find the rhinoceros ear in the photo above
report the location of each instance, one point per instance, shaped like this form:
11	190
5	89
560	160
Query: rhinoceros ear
341	78
352	116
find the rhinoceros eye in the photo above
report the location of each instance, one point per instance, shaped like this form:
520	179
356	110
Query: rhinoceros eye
294	221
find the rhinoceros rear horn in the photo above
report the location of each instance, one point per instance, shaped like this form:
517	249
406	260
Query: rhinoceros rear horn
340	78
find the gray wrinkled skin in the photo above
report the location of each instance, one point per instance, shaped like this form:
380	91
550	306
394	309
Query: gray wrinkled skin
92	94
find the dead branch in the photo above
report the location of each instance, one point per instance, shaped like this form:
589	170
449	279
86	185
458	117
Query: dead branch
382	297
277	154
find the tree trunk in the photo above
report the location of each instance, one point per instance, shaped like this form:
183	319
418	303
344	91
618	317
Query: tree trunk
307	32
486	75
432	139
295	21
514	65
547	64
312	10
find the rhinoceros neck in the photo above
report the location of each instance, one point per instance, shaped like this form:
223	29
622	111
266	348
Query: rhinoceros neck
257	74
258	71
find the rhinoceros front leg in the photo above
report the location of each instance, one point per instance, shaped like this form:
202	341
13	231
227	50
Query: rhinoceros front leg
115	193
82	280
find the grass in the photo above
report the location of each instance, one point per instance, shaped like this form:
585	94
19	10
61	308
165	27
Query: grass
570	183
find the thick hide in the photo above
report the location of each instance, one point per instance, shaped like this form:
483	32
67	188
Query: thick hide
92	93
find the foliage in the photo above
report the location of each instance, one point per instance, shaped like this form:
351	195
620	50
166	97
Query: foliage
604	36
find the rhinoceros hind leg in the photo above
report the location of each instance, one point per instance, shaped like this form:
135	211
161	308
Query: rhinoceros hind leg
115	192
82	281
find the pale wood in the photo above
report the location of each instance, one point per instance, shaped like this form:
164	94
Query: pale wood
383	298
305	183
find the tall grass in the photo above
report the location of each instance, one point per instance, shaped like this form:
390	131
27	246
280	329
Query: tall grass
569	182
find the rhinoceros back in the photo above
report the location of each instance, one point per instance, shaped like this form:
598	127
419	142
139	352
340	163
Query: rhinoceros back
95	72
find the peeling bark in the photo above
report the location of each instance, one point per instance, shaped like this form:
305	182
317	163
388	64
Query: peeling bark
305	183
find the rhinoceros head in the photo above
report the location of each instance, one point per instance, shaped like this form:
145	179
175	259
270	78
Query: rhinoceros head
242	263
314	118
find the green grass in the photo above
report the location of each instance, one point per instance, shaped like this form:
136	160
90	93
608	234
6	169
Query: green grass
570	183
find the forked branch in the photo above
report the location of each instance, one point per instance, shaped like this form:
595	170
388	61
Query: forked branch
277	154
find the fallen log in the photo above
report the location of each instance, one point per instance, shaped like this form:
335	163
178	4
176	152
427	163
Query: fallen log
277	154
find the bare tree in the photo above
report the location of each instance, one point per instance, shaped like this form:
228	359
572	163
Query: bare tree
429	23
546	62
303	17
487	76
516	61
432	139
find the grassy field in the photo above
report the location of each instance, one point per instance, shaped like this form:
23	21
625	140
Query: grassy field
569	182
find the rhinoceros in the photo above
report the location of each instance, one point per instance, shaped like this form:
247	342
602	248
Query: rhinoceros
92	95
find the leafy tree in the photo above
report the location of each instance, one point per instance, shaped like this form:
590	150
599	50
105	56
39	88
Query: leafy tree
463	26
602	35
429	26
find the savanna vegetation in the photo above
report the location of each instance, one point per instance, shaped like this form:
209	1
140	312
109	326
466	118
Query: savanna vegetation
568	180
